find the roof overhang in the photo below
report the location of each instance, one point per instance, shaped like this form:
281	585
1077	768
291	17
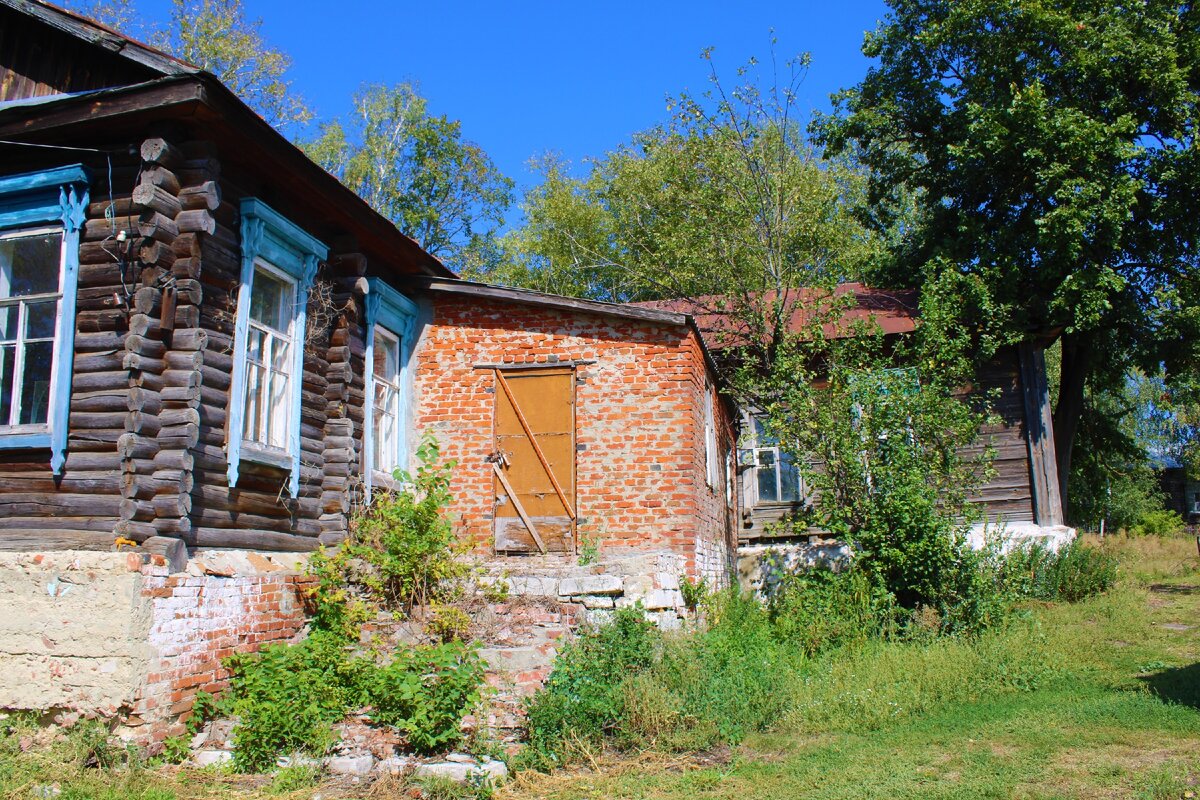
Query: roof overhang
248	144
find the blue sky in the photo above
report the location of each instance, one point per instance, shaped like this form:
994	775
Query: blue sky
530	77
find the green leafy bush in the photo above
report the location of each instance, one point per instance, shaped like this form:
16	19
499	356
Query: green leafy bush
1074	572
582	699
287	697
425	692
1161	522
727	680
818	609
401	552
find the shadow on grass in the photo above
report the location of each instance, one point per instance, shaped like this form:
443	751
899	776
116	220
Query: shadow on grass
1177	685
1177	588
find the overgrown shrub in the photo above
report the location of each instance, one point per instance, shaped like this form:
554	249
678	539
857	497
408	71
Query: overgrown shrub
1161	522
818	609
728	680
400	553
425	692
582	699
1075	571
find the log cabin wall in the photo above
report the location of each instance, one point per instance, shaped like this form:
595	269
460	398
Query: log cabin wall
81	507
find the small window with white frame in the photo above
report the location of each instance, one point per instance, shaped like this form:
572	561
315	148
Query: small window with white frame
386	408
711	462
270	358
776	477
391	327
29	305
279	265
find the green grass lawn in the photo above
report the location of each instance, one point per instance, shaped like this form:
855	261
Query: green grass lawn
1110	707
1097	699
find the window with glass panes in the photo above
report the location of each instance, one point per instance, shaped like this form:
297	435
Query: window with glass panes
270	358
30	272
777	480
386	416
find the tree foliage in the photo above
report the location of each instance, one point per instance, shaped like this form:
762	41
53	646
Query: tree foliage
216	36
416	169
1050	148
726	197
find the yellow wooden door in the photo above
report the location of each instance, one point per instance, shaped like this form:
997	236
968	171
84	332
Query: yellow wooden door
534	457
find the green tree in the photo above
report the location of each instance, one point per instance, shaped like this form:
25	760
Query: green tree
418	171
1050	147
216	36
726	198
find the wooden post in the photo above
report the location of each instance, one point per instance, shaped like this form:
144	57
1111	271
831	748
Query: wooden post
1039	427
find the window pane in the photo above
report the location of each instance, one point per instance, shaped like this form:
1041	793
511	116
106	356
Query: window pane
8	377
281	356
254	348
39	319
271	301
30	264
768	489
9	316
387	357
35	383
760	432
789	479
253	409
277	411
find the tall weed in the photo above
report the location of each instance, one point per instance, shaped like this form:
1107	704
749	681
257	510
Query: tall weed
1076	571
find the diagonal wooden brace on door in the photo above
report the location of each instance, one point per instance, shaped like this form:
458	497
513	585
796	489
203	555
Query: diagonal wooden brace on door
562	496
516	501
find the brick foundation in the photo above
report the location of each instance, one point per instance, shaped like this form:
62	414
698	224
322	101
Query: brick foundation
116	634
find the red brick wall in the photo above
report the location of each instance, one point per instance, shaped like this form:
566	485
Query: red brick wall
196	621
639	418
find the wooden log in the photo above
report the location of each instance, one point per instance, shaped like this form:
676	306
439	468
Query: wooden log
132	446
153	225
195	171
172	549
214	376
139	510
186	245
159	151
133	361
188	290
121	206
196	221
39	539
100	274
183	379
137	531
137	487
83	421
157	254
179	416
58	504
99	362
112	400
157	199
145	346
204	195
161	177
98	381
189	339
180	394
184	360
98	230
145	325
142	423
172	505
215	537
100	321
187	316
101	483
106	340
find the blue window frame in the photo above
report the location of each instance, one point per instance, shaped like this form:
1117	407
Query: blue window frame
41	214
391	327
279	263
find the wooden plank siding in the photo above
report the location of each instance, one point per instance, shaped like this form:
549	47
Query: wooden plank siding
36	61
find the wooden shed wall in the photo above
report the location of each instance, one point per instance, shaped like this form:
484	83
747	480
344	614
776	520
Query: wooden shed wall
1007	496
